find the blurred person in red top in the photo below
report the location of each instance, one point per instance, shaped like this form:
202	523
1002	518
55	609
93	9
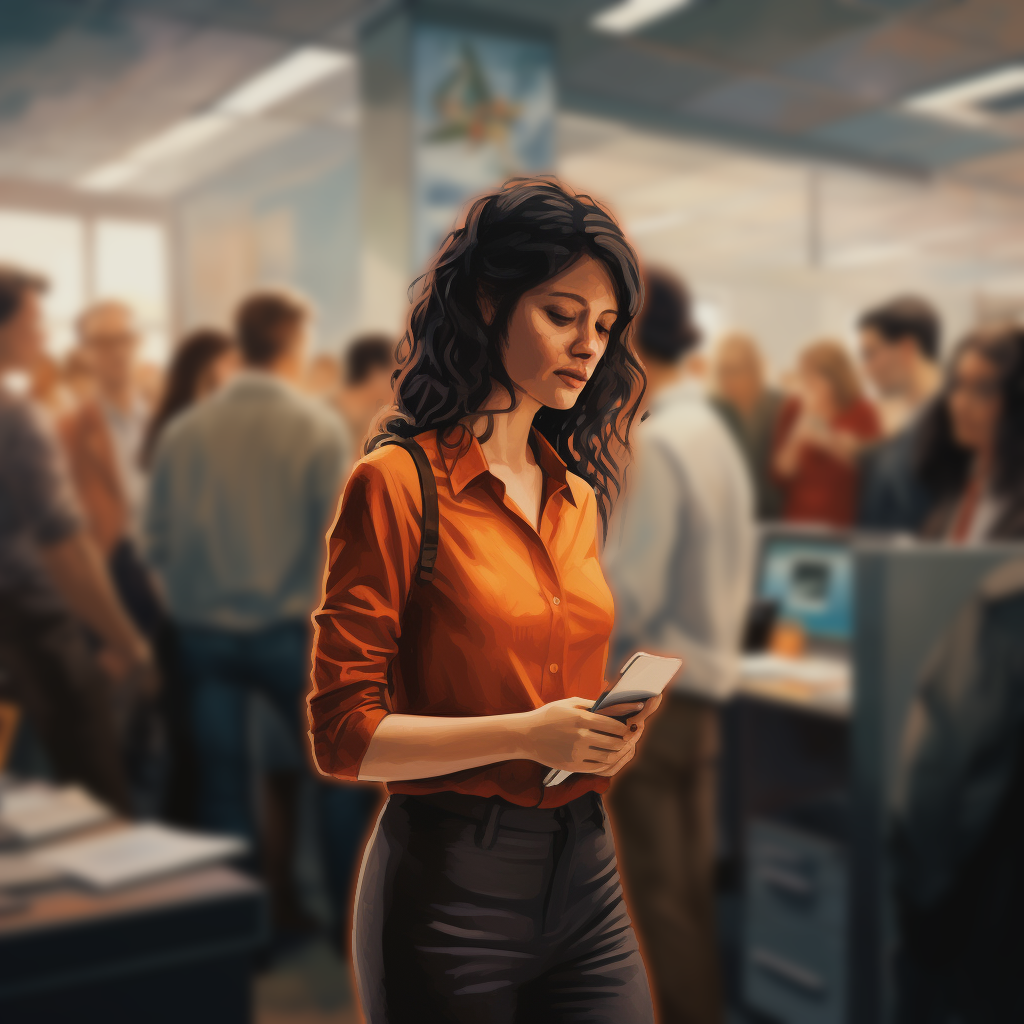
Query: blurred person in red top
821	434
485	896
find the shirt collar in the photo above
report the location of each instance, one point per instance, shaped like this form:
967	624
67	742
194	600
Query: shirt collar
685	390
467	462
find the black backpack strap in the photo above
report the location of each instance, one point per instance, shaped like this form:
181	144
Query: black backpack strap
430	524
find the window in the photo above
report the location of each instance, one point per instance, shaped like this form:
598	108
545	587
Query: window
130	263
52	245
85	260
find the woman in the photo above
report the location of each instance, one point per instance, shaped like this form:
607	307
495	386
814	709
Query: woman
484	896
820	437
202	363
751	411
972	458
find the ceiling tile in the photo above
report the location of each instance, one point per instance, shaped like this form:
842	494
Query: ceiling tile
772	104
915	141
888	63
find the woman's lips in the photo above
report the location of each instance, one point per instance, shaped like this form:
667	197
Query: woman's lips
571	379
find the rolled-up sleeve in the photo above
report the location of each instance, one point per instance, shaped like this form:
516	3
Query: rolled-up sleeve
372	551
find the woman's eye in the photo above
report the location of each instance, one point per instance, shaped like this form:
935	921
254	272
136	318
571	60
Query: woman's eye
560	318
603	330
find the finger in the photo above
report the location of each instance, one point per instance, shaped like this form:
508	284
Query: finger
649	708
619	763
602	724
620	710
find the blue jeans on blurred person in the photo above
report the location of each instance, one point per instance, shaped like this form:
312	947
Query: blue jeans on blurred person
222	668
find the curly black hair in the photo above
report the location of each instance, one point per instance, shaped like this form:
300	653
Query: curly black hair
513	240
944	465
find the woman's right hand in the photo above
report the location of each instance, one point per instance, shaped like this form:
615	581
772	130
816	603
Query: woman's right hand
565	734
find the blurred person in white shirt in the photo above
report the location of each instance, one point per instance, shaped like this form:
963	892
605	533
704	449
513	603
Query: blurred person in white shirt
679	561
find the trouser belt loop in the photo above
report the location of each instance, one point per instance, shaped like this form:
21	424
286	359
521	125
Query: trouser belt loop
487	835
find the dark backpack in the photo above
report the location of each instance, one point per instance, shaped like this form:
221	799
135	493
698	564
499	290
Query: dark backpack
430	520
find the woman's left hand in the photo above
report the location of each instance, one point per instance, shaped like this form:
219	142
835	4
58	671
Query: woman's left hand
636	730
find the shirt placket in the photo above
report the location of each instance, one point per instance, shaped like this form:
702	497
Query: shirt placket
553	682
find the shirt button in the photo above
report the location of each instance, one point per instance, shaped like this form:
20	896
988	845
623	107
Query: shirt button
553	667
556	600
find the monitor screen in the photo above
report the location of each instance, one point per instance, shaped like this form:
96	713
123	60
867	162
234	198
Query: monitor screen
811	582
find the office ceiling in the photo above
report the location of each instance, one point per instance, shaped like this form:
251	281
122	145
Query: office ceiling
83	80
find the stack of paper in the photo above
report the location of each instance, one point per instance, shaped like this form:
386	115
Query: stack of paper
38	811
136	853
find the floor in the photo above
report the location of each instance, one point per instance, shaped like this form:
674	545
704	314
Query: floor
309	985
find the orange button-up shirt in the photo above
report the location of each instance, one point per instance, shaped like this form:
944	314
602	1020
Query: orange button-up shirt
513	619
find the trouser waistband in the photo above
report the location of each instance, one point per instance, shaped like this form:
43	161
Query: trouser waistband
490	813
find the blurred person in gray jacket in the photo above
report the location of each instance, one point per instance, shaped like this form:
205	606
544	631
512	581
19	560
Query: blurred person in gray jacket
57	602
958	826
679	561
243	490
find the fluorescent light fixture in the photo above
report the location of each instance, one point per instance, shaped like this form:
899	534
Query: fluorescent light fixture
177	140
298	71
960	101
631	15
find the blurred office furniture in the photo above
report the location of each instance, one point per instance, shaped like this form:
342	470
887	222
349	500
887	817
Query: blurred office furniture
176	949
109	921
812	765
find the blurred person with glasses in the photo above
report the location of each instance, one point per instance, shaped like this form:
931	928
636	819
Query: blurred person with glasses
751	409
53	582
821	436
900	343
972	454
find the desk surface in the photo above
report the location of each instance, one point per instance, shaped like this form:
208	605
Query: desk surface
70	905
832	700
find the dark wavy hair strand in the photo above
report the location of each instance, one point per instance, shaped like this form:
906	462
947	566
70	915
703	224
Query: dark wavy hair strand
450	357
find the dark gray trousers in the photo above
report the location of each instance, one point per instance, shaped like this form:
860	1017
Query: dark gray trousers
477	911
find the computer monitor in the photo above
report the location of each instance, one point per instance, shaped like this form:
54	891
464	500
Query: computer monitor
810	580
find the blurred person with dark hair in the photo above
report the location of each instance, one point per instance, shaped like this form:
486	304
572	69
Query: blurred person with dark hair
53	582
202	363
899	344
679	561
821	436
972	452
751	410
244	485
369	365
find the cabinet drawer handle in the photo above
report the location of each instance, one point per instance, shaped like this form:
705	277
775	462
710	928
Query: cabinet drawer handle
787	880
788	971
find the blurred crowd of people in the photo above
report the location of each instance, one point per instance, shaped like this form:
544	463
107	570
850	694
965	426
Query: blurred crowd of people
933	451
161	550
162	542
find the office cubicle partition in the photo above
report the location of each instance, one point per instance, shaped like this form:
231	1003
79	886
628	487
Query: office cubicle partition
906	597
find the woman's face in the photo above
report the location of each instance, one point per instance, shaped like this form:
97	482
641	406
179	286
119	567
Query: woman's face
975	402
559	331
816	393
736	377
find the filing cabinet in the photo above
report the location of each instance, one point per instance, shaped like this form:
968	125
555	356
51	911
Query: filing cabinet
795	946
